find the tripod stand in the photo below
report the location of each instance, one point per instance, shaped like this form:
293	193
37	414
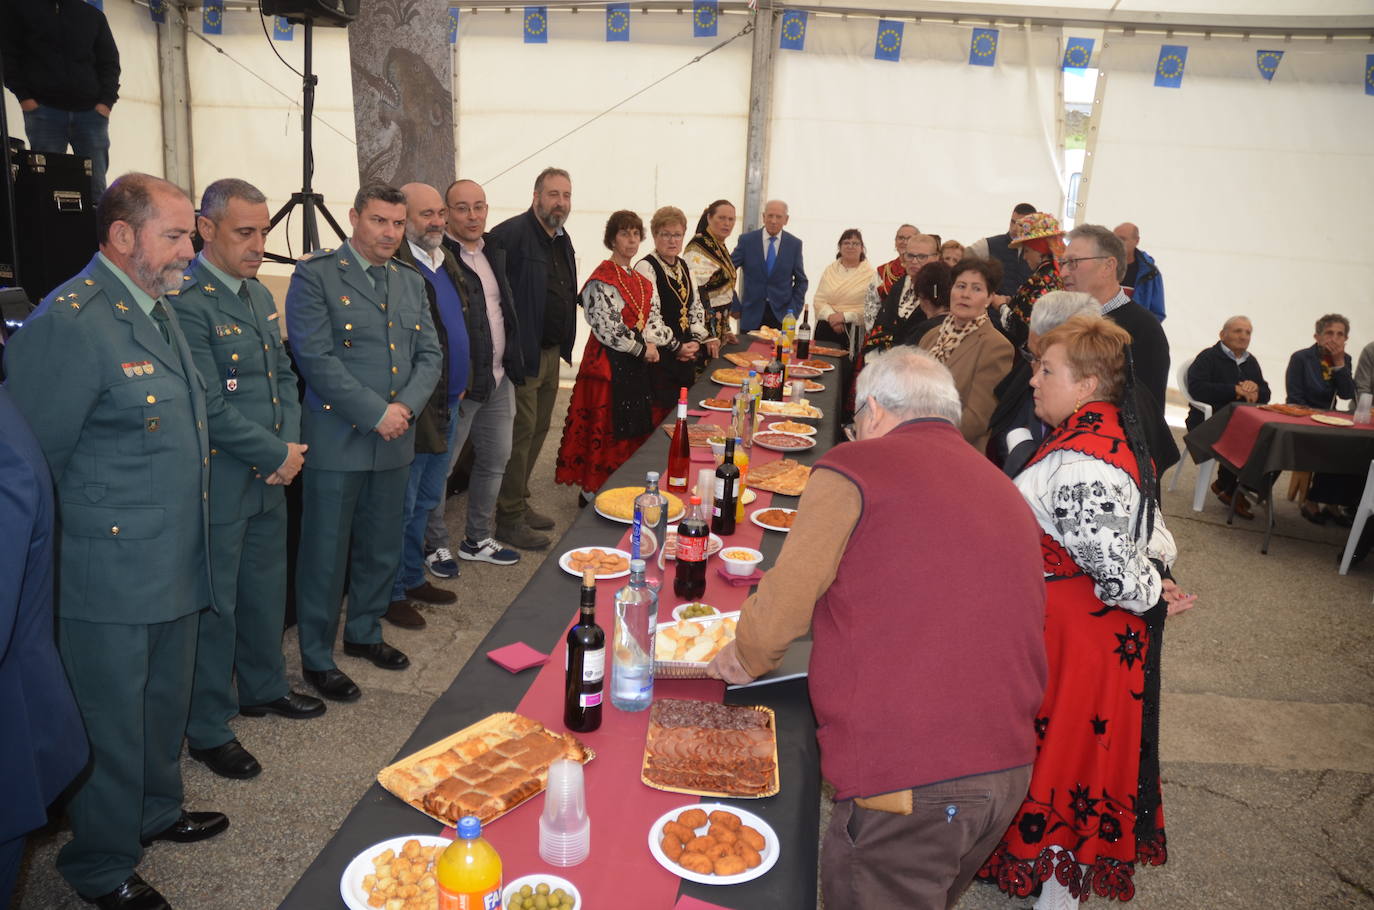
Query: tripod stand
310	202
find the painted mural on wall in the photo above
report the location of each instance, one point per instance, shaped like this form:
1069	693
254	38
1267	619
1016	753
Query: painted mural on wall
402	92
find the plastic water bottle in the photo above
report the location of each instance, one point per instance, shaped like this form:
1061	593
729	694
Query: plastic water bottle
636	619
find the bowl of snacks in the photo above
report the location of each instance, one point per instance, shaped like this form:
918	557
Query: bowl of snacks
557	893
695	610
740	560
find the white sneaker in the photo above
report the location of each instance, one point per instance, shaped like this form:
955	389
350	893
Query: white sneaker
488	550
441	565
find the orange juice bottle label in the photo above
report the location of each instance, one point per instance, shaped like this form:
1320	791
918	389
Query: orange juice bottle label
469	900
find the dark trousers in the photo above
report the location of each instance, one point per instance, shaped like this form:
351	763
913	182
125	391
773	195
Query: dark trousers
52	129
248	568
133	686
770	319
925	860
533	413
11	853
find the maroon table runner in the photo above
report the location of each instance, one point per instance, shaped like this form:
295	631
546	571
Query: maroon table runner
1238	439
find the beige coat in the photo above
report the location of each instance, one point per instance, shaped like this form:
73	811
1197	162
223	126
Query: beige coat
979	363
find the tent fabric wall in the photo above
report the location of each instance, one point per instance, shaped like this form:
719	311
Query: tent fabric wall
1253	196
858	142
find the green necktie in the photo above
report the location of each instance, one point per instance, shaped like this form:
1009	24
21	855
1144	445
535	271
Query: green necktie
378	275
160	317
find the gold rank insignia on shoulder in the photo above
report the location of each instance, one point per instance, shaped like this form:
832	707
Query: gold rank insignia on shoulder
89	283
208	288
121	307
188	278
75	305
343	262
393	267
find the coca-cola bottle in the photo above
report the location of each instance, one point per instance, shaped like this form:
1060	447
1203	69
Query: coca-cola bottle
693	534
772	376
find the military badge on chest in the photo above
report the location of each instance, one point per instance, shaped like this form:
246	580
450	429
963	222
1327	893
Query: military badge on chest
231	379
137	368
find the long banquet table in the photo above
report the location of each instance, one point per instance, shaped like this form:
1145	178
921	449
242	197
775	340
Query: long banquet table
620	859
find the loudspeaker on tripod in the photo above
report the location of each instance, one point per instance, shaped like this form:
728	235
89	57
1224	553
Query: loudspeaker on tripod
55	219
321	12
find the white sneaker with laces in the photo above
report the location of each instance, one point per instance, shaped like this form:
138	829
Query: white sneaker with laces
488	550
441	564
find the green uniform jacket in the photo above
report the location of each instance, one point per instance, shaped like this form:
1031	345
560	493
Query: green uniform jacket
358	353
250	392
121	419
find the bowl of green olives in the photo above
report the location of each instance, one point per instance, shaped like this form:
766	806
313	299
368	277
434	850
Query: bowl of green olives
541	892
695	610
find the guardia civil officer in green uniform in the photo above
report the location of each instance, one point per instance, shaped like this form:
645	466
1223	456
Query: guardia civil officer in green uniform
364	340
105	378
231	324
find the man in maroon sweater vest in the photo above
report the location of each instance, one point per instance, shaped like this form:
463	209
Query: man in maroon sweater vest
916	564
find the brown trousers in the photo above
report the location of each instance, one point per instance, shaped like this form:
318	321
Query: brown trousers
924	860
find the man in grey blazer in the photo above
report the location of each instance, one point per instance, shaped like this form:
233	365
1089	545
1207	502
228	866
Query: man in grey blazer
231	323
364	340
105	378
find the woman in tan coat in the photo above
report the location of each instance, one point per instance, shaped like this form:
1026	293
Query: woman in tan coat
969	344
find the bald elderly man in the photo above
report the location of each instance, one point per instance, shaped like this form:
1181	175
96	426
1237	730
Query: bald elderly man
1219	375
774	280
1143	280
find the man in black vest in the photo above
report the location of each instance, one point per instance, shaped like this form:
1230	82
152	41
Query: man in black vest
1014	268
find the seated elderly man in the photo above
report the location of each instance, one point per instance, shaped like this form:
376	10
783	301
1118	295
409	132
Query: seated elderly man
928	661
1219	375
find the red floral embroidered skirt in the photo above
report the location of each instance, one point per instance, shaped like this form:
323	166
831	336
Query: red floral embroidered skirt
590	451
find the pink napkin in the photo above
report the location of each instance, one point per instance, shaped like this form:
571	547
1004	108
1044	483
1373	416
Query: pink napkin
739	580
687	902
517	657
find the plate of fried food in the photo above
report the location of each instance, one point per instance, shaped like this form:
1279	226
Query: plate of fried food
717	404
730	376
399	870
723	845
824	366
606	562
801	410
618	504
774	519
791	426
822	350
766	333
784	442
797	371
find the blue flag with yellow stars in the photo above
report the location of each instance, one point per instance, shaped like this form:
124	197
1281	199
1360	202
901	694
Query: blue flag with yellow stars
453	25
705	18
982	49
212	17
157	11
1369	74
617	22
888	44
1078	53
1169	69
282	29
1268	63
536	27
792	35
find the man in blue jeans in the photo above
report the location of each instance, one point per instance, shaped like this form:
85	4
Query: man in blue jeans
62	64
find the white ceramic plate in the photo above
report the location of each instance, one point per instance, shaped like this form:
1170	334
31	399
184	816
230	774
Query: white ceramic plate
351	883
764	443
553	881
630	521
565	562
818	365
803	372
677	611
754	517
729	385
709	407
775	409
805	431
769	854
713	543
1333	421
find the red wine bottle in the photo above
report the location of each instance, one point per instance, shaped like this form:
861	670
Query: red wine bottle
727	492
586	664
680	451
804	333
693	534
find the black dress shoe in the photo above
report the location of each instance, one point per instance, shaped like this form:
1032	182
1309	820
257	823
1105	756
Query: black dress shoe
132	894
381	654
333	684
295	705
191	827
230	760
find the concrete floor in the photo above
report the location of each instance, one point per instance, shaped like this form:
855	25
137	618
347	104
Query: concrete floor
1267	743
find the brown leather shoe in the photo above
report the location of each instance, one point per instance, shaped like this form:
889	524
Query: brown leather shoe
1243	507
427	593
401	613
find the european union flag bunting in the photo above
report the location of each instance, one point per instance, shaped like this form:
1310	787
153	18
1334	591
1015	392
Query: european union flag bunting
212	17
1078	53
617	22
282	29
453	25
982	49
1369	74
157	11
1268	63
536	25
1169	69
792	34
888	44
705	18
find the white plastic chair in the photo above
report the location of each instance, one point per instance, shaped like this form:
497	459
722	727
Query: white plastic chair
1208	468
1362	513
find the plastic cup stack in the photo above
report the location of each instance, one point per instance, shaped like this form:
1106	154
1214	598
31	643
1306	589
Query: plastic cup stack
565	831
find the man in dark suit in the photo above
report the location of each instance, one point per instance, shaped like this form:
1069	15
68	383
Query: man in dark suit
1219	375
42	745
774	280
542	270
106	380
231	323
364	340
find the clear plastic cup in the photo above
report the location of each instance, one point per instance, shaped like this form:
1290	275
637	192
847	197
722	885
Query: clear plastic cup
565	830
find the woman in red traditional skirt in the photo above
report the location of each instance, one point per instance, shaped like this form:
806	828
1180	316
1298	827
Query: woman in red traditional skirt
1093	809
611	413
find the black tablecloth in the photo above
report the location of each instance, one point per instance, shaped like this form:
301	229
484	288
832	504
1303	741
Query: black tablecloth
1282	446
538	616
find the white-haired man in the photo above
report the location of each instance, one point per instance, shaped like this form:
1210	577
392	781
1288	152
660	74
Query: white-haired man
925	722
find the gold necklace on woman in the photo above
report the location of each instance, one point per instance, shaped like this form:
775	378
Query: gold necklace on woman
640	306
678	283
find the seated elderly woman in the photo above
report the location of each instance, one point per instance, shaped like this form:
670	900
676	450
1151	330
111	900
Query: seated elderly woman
840	294
1093	808
972	348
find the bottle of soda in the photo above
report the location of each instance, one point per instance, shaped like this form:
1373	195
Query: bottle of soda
742	462
636	620
723	504
680	450
804	334
651	507
469	869
772	376
789	326
693	533
585	673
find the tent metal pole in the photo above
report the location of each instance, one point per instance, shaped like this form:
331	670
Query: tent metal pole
1085	182
175	103
760	114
